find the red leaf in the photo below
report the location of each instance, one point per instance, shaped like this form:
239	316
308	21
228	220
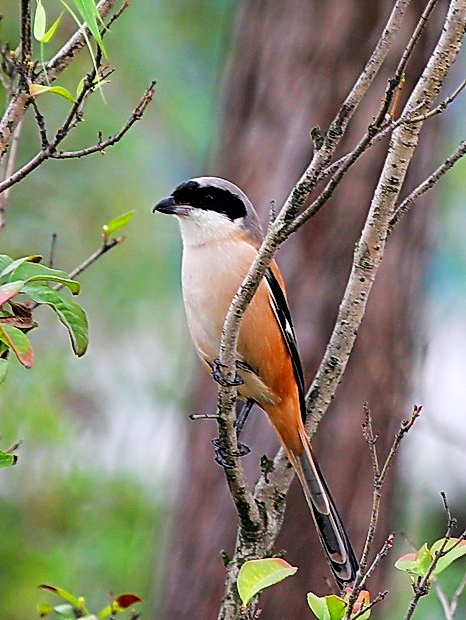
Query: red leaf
123	601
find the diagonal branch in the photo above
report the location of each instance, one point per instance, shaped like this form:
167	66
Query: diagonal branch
428	184
101	145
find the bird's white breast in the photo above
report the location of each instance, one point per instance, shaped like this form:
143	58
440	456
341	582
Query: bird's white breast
211	275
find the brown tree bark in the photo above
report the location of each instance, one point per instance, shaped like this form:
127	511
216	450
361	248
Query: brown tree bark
292	64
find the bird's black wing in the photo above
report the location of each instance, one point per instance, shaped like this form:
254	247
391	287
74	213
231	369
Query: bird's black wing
282	314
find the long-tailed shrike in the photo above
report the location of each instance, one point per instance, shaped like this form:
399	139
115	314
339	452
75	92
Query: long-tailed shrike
221	235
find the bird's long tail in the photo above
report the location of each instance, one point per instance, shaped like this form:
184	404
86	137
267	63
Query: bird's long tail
332	533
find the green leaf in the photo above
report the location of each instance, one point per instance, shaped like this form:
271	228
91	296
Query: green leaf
9	266
9	290
18	342
255	575
336	607
4	364
38	89
51	31
327	607
69	313
424	559
90	14
7	460
318	606
40	21
416	563
31	272
4	261
75	601
117	223
445	561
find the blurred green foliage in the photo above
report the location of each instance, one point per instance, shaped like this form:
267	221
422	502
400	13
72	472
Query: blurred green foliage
85	506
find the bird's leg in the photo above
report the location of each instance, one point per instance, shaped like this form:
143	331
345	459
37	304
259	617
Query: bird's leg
221	452
242	449
217	374
243	416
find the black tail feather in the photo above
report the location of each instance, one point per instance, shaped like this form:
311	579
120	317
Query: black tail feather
332	533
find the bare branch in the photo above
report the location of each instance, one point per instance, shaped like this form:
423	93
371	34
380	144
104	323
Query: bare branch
387	546
8	165
101	145
26	41
104	248
379	479
420	26
441	107
428	184
380	596
442	597
457	595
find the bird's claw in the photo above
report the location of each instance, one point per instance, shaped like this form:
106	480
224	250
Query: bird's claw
217	375
222	453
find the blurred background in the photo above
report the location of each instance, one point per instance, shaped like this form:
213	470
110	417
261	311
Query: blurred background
93	504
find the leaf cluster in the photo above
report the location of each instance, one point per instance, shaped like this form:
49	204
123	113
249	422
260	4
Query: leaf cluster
73	606
26	280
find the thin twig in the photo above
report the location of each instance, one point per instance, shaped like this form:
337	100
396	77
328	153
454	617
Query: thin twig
420	26
428	184
441	107
104	248
53	245
457	595
442	597
386	547
7	169
422	585
380	597
405	427
379	479
101	145
203	416
40	121
26	40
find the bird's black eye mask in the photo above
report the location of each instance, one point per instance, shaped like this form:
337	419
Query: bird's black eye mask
210	199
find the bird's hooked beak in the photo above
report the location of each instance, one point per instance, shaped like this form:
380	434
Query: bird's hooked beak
170	207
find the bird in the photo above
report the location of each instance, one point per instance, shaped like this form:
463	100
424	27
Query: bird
221	236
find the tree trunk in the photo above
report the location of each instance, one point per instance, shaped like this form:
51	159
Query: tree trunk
293	63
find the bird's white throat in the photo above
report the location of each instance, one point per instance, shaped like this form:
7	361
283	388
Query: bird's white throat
201	227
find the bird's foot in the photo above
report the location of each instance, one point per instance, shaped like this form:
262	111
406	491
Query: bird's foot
217	374
222	453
